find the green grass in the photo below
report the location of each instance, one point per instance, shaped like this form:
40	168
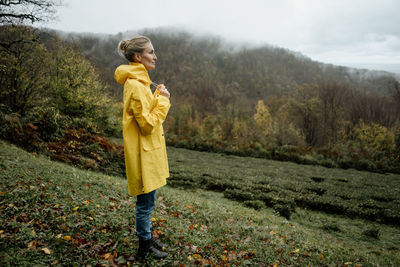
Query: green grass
352	193
55	214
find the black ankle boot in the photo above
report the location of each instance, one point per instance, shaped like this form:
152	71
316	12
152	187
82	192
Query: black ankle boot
157	244
146	248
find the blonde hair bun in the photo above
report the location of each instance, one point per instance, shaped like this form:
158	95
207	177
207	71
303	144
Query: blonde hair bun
127	48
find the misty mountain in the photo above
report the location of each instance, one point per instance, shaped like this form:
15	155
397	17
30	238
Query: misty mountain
207	68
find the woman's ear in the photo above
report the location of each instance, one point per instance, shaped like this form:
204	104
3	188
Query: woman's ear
137	57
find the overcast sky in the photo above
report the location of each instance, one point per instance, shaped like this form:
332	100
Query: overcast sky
361	33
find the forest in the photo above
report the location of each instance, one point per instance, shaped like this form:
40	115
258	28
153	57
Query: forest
262	101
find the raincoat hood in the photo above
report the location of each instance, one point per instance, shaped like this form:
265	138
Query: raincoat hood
135	71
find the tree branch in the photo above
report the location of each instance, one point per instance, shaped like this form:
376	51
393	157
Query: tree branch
9	3
19	16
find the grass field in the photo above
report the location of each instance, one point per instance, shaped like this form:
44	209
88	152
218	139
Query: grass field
55	214
286	186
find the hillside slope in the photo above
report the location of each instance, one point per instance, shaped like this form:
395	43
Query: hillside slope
207	66
55	214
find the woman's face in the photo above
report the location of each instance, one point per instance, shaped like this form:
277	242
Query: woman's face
148	57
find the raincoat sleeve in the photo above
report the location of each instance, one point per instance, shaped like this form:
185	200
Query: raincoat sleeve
148	114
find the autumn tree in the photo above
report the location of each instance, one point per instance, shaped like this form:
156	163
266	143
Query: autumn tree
332	95
23	71
396	96
265	122
52	84
305	111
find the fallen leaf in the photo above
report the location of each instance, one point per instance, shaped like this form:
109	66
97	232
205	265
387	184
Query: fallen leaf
252	253
32	244
46	251
107	256
197	256
67	238
295	251
224	258
321	257
76	208
189	207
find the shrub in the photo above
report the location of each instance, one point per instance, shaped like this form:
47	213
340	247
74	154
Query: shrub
283	210
255	204
331	227
49	121
372	233
25	135
88	150
237	194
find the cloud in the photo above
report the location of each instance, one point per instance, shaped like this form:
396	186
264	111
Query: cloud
349	30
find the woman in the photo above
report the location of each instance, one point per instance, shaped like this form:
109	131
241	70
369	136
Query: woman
144	144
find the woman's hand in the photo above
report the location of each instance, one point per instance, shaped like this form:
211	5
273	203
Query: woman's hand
163	90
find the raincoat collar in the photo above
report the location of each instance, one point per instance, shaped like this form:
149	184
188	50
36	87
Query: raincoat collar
135	71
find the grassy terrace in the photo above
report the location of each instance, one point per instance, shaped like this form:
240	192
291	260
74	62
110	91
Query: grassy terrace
55	214
286	186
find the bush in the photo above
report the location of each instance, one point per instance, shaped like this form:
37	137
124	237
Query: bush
49	121
283	210
88	150
255	204
25	135
372	233
237	194
331	227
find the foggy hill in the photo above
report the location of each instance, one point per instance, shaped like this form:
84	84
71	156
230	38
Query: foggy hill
209	69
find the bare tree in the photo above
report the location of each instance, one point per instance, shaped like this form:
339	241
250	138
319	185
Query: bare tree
331	95
21	11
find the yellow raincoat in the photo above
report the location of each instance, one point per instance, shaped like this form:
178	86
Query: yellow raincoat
144	144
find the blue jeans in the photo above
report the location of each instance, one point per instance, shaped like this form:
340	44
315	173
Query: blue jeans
144	207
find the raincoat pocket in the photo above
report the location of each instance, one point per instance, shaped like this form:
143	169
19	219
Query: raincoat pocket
151	142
